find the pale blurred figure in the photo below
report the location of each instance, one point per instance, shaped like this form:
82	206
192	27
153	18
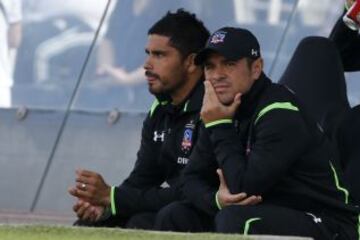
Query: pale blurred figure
10	38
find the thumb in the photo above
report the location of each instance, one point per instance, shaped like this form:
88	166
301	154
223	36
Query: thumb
221	179
72	191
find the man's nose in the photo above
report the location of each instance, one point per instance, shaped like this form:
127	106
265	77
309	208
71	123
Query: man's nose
147	63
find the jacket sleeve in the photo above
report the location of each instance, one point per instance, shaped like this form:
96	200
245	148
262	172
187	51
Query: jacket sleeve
141	191
200	179
280	138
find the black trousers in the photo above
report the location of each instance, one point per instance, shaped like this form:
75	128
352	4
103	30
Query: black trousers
276	220
143	220
183	217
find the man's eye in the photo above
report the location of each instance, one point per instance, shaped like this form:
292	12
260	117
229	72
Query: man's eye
230	63
159	54
208	66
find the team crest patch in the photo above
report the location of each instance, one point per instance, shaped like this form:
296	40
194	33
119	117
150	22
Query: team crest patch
187	143
218	37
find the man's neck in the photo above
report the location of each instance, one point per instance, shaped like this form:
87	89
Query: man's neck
182	93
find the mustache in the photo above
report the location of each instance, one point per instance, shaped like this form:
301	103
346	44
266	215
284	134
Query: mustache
151	74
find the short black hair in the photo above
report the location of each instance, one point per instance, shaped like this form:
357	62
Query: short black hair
187	33
250	61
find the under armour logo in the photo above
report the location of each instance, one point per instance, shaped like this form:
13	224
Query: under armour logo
159	137
254	52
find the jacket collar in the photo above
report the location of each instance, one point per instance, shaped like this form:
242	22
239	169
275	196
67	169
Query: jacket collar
250	100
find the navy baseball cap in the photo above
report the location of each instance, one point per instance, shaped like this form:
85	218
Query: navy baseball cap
232	43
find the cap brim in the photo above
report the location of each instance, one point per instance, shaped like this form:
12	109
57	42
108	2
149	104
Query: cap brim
204	54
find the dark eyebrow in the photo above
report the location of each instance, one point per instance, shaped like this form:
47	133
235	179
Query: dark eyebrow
229	61
156	52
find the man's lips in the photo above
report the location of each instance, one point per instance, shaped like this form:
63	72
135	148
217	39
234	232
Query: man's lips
220	87
151	77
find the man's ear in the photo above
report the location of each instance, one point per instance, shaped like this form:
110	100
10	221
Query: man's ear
257	68
190	63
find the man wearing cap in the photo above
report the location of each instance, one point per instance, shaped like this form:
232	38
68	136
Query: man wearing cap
261	142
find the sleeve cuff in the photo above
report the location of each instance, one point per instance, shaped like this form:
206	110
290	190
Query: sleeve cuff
217	201
218	122
112	199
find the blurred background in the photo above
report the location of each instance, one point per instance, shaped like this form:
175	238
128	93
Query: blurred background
72	90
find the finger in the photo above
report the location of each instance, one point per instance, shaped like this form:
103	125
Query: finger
221	179
98	213
82	173
86	195
77	206
83	186
88	189
83	179
235	104
72	190
252	200
87	213
210	91
82	209
86	173
205	97
92	216
236	198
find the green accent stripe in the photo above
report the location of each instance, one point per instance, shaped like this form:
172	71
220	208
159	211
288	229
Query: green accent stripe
247	224
153	107
276	105
359	227
112	198
186	106
218	122
336	178
217	200
155	104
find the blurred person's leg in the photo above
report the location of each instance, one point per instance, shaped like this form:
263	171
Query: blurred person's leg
348	43
142	221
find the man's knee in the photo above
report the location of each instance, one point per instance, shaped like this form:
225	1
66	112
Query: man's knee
141	221
169	217
233	219
224	219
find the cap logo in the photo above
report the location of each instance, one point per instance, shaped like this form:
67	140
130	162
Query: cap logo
254	52
218	37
